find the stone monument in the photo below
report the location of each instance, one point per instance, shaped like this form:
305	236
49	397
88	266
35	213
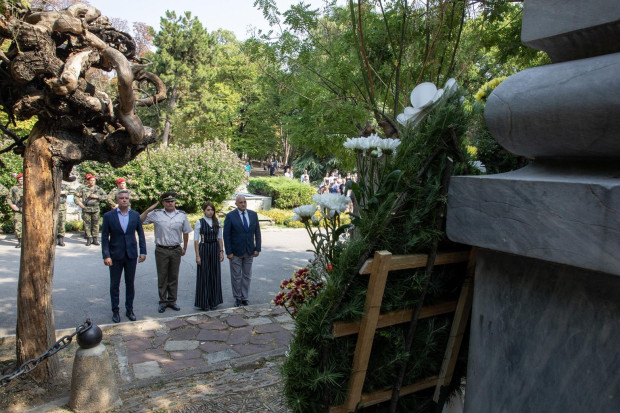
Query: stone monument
545	327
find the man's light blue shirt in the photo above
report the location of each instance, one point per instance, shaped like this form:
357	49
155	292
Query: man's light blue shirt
123	218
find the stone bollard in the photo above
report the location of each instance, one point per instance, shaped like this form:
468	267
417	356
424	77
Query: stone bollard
93	385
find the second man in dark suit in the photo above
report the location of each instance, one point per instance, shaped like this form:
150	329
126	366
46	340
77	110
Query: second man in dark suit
242	241
120	251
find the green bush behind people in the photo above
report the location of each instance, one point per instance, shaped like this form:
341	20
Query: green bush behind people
205	171
285	193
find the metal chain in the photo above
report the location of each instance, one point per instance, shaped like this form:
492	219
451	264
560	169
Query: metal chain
32	364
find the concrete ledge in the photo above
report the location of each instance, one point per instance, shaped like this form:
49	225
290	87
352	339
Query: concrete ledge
544	211
572	29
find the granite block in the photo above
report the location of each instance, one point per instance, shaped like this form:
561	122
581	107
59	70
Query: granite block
544	338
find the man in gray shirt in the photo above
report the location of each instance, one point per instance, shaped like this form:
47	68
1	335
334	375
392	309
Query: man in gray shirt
171	228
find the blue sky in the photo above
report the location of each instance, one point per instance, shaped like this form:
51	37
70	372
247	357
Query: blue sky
235	15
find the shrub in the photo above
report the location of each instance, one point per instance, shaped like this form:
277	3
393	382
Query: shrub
74	226
285	193
206	171
282	217
12	164
8	227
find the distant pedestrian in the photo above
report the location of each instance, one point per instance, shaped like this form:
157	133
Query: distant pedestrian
88	198
209	255
120	251
121	185
242	240
171	229
248	169
272	169
15	199
305	178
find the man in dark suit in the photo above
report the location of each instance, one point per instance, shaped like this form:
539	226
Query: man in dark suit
242	242
120	251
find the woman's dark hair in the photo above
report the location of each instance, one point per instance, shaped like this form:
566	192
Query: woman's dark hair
216	222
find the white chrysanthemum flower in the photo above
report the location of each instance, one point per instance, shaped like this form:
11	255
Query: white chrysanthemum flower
332	202
305	211
374	141
363	144
350	143
389	145
296	218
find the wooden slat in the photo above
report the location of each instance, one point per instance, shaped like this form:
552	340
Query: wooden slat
343	328
365	338
461	316
403	262
369	399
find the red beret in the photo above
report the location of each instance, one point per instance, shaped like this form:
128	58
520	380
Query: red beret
119	180
19	176
88	176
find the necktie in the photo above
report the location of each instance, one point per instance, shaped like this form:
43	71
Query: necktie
245	221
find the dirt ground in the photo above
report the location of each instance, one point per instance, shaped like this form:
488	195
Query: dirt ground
23	392
255	388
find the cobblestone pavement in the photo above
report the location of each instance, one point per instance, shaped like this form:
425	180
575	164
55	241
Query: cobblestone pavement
217	361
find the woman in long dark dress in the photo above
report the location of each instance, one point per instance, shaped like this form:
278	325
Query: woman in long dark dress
209	255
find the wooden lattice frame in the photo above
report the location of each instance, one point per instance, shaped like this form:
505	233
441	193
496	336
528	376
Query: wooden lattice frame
378	268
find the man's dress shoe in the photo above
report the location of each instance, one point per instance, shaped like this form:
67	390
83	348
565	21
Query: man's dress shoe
245	302
130	315
174	307
161	309
237	303
115	317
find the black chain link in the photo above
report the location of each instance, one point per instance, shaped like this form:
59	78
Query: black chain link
30	365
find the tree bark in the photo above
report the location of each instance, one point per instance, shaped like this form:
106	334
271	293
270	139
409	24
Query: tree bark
35	316
173	99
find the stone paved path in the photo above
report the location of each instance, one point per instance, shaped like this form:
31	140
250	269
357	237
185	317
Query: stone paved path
198	343
219	361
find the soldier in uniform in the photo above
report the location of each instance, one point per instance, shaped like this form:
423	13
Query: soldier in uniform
65	190
88	198
172	229
15	200
121	185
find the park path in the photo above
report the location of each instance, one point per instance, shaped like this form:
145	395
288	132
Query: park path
81	281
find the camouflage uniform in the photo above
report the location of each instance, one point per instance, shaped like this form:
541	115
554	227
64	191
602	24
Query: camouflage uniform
133	196
90	212
62	211
16	198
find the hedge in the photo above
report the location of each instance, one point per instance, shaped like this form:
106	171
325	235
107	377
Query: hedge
285	193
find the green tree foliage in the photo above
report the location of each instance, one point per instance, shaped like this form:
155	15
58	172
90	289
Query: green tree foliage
182	61
348	69
197	173
10	163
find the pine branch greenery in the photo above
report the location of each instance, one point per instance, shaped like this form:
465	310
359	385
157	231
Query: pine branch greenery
399	197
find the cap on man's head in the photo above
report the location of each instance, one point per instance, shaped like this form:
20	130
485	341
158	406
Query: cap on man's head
89	176
19	176
168	196
119	180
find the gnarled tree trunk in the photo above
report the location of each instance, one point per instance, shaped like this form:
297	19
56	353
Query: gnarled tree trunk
35	321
